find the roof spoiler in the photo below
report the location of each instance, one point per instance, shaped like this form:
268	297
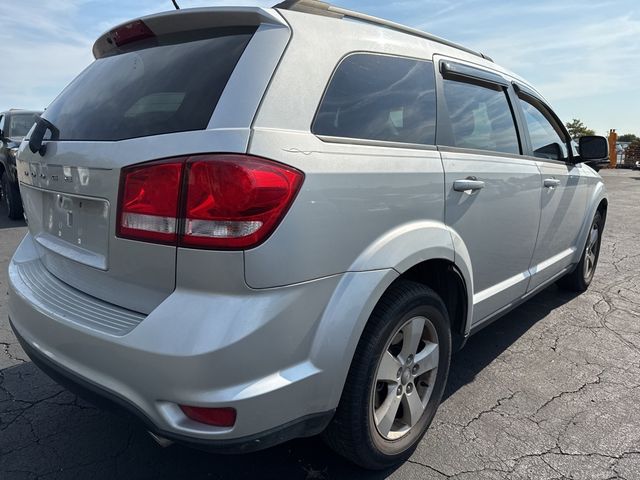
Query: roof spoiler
317	7
185	20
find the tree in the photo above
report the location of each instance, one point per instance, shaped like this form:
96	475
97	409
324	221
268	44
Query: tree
627	137
578	129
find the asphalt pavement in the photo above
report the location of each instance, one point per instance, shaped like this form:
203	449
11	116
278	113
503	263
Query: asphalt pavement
550	391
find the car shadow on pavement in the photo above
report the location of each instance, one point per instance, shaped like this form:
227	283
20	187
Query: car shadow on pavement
46	432
486	345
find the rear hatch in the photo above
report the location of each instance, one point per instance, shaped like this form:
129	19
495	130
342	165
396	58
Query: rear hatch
149	95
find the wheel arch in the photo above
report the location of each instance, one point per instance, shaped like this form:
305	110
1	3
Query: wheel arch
446	279
430	253
361	289
602	208
598	202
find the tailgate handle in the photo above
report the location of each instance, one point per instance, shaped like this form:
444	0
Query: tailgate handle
468	184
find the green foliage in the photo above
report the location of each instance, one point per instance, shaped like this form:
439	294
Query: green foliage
627	137
578	129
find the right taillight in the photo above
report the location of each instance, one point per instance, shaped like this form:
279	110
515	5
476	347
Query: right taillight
216	201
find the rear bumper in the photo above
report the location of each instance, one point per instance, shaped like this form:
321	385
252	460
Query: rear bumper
303	427
253	351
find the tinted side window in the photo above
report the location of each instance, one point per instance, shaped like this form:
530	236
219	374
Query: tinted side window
481	117
378	97
547	138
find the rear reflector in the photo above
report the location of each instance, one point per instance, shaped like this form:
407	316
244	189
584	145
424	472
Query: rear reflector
218	417
227	201
131	32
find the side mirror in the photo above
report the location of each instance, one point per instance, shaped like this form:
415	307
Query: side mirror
592	148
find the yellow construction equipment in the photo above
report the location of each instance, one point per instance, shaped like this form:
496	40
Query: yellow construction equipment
613	156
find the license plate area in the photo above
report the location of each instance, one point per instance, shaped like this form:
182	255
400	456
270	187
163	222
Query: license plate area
74	226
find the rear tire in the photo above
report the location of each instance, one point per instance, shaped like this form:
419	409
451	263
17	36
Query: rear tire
409	330
11	198
580	279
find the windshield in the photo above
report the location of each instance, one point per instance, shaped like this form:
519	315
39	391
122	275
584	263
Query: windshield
168	87
20	124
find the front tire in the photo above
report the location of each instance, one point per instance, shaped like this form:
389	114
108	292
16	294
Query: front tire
396	380
580	279
11	198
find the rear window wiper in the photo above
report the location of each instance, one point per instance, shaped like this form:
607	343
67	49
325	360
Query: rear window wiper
42	126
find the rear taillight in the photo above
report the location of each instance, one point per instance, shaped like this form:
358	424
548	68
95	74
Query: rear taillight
234	201
218	201
148	205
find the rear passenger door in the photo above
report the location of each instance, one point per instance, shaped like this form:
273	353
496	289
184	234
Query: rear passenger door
563	194
492	192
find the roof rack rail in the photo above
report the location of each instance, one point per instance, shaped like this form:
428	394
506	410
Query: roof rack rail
317	7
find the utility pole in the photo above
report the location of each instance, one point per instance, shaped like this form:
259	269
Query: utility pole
613	156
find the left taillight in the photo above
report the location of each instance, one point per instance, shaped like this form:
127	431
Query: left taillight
216	201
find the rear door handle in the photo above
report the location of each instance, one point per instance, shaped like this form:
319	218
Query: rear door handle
467	184
551	182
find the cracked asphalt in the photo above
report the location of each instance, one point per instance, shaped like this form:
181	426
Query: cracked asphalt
550	391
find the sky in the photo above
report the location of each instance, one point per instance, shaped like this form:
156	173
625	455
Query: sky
584	57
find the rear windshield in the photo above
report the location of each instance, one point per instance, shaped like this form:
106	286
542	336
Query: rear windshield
162	89
21	123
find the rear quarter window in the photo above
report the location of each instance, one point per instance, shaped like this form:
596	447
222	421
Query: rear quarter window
166	88
380	97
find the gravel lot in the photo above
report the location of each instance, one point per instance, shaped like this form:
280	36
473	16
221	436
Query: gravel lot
550	391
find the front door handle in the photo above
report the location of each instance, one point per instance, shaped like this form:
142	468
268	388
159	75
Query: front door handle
551	182
468	184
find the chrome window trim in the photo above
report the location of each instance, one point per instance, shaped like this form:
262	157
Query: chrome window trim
375	143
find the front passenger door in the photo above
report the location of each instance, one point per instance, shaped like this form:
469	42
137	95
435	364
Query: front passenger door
564	192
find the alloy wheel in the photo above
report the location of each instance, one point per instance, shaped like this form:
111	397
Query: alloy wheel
591	252
405	378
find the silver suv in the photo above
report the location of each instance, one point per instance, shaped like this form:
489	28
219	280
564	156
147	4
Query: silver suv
248	225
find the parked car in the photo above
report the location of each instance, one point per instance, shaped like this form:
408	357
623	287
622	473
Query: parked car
278	241
14	125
